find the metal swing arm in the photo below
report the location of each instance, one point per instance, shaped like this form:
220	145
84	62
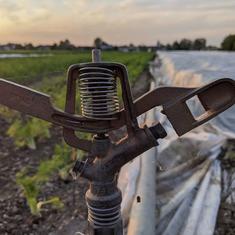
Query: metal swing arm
215	97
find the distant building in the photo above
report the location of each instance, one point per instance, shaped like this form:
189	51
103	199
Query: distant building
43	47
124	49
105	46
152	49
8	47
85	48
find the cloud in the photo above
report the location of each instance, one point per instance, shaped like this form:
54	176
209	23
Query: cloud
123	21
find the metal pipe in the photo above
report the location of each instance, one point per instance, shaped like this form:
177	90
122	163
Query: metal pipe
96	55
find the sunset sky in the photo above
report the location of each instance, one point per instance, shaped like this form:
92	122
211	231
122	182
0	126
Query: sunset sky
117	22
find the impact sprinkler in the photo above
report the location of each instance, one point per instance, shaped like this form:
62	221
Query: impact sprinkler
101	112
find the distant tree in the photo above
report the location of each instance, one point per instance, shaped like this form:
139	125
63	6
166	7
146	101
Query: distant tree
19	47
29	46
98	43
199	44
143	47
175	46
168	47
131	47
54	46
228	43
185	44
160	46
66	45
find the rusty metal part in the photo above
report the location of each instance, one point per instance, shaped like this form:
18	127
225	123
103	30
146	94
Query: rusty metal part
215	98
100	126
98	90
103	197
98	93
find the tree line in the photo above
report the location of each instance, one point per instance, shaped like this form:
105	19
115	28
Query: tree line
227	44
184	44
62	45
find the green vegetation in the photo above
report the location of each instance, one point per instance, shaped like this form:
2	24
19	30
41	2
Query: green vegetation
25	132
31	68
48	74
32	185
228	43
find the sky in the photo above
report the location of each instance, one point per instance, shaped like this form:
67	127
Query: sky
115	21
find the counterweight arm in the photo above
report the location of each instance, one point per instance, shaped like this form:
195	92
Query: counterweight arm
215	97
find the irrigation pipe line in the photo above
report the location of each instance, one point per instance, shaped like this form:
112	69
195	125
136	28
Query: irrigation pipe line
143	212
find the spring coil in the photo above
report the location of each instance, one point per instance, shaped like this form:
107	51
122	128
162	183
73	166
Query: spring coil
98	93
102	218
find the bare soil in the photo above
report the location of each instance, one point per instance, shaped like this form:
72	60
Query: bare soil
15	216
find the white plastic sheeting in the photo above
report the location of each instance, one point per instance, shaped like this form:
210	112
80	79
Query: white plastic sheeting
183	197
189	191
127	182
188	197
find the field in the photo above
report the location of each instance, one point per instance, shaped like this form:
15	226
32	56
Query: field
33	151
29	69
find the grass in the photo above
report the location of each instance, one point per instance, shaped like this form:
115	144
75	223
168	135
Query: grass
28	69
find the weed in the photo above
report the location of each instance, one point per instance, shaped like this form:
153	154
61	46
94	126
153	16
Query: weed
25	132
32	184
